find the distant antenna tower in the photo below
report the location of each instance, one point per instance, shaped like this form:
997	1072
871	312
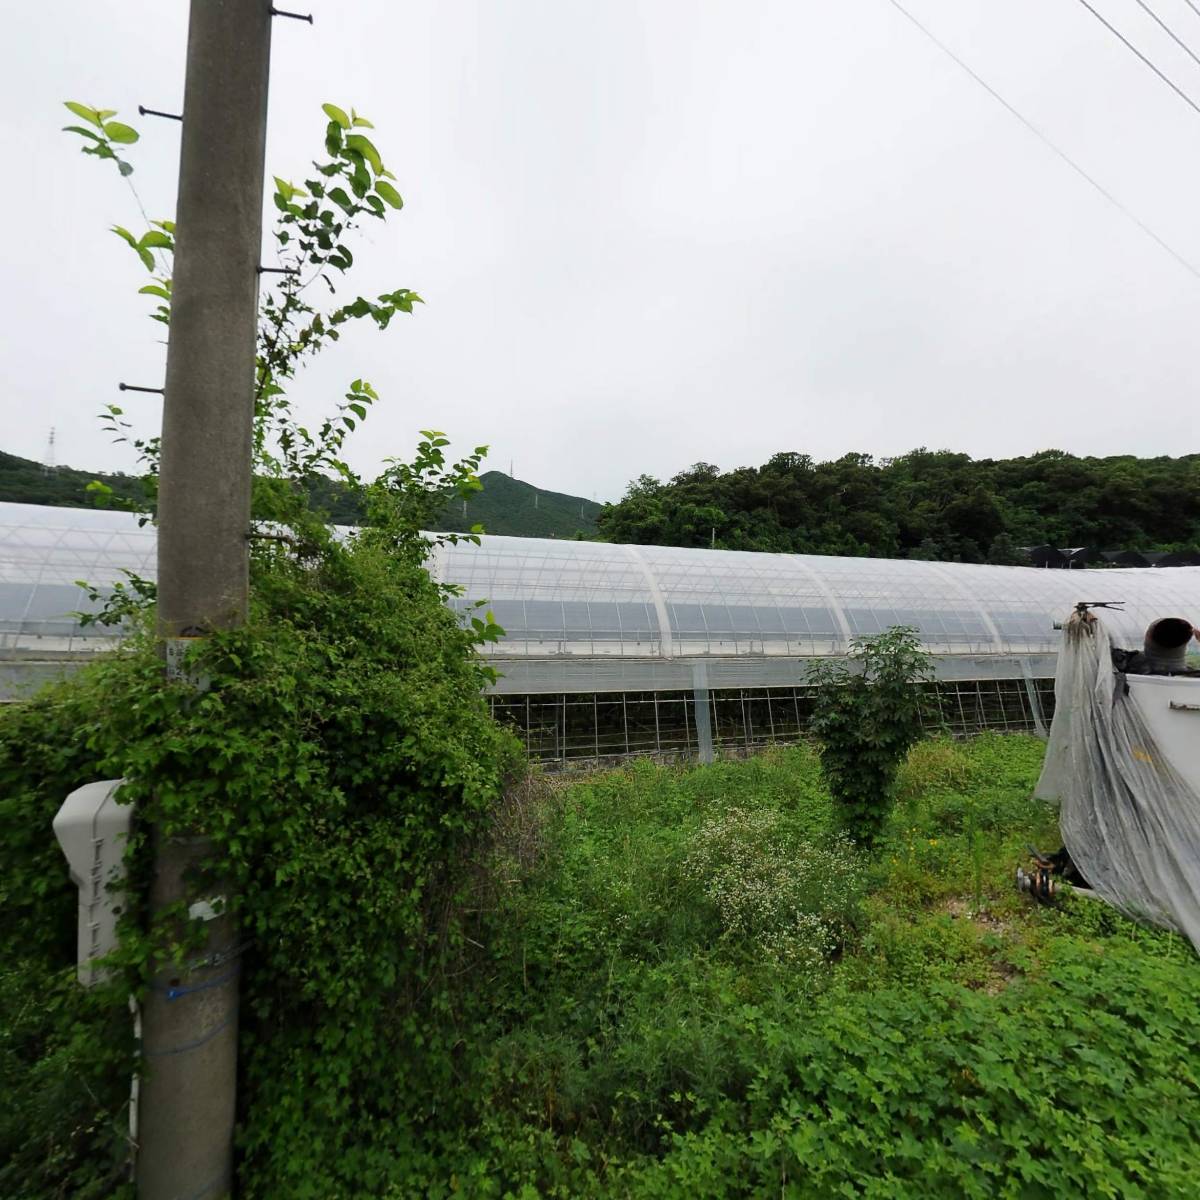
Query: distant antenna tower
536	497
48	463
510	469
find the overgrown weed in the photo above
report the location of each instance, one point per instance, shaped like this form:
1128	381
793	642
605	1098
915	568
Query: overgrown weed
647	1038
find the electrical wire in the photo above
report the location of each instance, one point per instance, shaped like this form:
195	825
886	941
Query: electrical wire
1168	30
1134	50
1192	6
991	91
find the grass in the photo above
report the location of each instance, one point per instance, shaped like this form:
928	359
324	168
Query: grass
692	987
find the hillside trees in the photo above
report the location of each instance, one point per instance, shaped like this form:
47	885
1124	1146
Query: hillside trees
924	504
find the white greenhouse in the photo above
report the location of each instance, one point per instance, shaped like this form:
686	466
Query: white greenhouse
612	650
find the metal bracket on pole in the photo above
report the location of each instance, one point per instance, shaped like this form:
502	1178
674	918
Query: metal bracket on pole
276	270
132	387
278	12
154	112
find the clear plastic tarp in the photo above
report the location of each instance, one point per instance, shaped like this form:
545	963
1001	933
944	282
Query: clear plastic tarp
45	553
582	616
1123	762
589	616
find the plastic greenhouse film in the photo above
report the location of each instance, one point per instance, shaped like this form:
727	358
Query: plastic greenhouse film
1129	818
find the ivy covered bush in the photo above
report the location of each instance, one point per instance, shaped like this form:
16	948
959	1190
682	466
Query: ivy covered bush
66	1053
342	759
336	751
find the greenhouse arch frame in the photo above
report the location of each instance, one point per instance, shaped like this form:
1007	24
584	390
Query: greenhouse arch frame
612	650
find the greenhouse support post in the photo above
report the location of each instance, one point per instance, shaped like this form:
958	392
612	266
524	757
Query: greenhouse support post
190	1017
704	738
1035	701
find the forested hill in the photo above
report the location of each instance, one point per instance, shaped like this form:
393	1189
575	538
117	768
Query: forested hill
927	504
23	481
505	506
511	506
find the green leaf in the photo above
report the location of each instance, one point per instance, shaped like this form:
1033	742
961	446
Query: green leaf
153	289
336	114
343	201
123	135
388	193
90	115
123	167
167	226
156	240
125	235
87	133
361	122
365	147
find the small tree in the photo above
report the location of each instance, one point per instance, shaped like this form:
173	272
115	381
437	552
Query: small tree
868	716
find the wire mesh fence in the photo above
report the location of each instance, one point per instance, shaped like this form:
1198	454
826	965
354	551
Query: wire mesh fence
565	728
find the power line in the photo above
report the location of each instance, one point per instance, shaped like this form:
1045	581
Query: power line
991	91
1168	30
1133	49
1192	6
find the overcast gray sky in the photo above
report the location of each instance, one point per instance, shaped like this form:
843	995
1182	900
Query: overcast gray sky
652	232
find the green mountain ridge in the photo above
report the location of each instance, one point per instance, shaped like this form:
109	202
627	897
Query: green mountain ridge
506	506
519	509
23	481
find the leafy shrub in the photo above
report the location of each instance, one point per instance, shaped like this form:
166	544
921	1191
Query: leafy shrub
866	717
349	767
66	1052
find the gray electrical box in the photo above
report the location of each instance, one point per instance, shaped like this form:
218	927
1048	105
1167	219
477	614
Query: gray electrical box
92	829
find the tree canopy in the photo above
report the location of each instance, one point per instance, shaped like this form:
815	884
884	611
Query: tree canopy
932	504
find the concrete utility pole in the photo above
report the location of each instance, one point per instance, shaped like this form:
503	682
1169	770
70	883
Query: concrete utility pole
189	1022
